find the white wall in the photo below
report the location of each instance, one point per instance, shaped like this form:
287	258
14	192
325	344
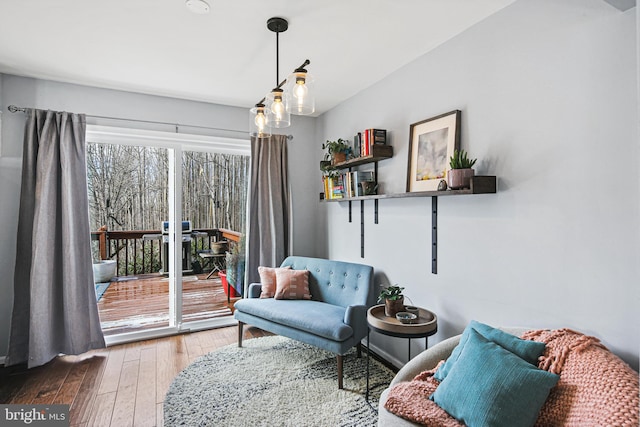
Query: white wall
548	93
549	100
26	92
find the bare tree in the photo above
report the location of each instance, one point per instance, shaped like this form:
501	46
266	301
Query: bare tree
128	188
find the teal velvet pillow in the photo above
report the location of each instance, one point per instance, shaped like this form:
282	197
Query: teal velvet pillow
527	350
492	387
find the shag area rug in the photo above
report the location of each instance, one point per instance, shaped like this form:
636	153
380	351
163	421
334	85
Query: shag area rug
275	381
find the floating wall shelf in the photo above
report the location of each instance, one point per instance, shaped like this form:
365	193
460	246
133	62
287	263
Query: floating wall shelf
479	185
378	152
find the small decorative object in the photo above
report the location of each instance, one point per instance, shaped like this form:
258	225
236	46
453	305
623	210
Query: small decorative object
461	173
369	188
442	185
406	317
325	165
337	151
431	143
412	309
393	300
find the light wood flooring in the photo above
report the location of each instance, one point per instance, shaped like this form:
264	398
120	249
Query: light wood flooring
119	386
138	303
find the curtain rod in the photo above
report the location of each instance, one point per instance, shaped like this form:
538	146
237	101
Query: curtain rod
14	109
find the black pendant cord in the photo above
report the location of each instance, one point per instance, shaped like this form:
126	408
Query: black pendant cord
277	58
279	25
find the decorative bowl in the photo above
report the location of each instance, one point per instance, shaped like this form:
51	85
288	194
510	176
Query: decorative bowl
412	309
406	317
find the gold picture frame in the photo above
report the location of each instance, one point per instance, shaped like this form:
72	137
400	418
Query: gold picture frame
431	145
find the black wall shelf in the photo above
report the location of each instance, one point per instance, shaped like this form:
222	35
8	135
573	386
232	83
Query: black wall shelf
378	152
481	184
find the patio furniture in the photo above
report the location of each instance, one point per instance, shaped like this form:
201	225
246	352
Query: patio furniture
216	261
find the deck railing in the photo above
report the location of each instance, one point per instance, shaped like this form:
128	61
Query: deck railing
143	251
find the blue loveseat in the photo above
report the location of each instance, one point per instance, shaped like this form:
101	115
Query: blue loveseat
335	319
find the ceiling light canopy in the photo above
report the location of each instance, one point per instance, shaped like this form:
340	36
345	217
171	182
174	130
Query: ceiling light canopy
293	95
200	7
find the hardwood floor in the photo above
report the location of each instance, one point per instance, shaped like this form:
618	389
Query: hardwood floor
138	303
119	386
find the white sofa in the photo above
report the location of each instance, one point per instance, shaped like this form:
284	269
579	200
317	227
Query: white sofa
426	360
596	387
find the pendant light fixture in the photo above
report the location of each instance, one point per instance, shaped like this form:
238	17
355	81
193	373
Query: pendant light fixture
302	102
277	99
275	109
259	122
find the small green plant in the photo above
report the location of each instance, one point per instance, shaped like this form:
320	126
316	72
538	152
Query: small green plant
331	173
392	293
339	146
459	160
325	165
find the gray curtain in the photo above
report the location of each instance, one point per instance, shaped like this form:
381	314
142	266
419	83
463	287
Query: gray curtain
269	205
54	304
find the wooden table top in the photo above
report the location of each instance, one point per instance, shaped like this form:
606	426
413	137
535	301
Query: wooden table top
427	323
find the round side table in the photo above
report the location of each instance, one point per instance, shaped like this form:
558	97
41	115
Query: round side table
425	326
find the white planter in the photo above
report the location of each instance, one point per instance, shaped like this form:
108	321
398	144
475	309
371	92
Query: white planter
104	271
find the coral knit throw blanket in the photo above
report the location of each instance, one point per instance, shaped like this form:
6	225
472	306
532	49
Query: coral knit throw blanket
596	387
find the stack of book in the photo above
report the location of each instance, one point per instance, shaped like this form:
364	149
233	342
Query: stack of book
333	187
345	185
363	141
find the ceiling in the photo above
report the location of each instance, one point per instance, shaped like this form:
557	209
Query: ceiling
228	55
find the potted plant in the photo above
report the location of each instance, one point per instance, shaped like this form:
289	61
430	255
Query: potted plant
393	300
336	150
234	274
325	165
461	173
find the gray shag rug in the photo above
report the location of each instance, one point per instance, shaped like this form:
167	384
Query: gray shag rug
275	381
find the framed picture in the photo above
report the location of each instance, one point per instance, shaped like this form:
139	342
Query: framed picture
431	144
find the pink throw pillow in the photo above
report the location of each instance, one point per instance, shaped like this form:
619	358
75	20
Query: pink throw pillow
268	280
292	284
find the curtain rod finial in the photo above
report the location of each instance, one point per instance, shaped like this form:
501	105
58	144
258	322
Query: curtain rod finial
15	109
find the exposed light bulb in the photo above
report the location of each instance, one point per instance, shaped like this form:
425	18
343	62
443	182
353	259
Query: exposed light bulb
300	92
278	108
261	120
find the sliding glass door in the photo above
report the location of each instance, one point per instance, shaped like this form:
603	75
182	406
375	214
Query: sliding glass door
165	209
214	195
128	195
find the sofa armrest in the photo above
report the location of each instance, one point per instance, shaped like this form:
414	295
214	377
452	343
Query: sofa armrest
426	360
356	317
254	290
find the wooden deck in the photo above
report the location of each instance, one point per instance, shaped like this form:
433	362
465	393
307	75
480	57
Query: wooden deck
138	303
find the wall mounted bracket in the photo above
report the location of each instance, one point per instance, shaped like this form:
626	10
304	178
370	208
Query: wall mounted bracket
479	185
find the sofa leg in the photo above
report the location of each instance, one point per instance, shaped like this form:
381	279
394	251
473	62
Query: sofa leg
240	325
339	358
359	349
